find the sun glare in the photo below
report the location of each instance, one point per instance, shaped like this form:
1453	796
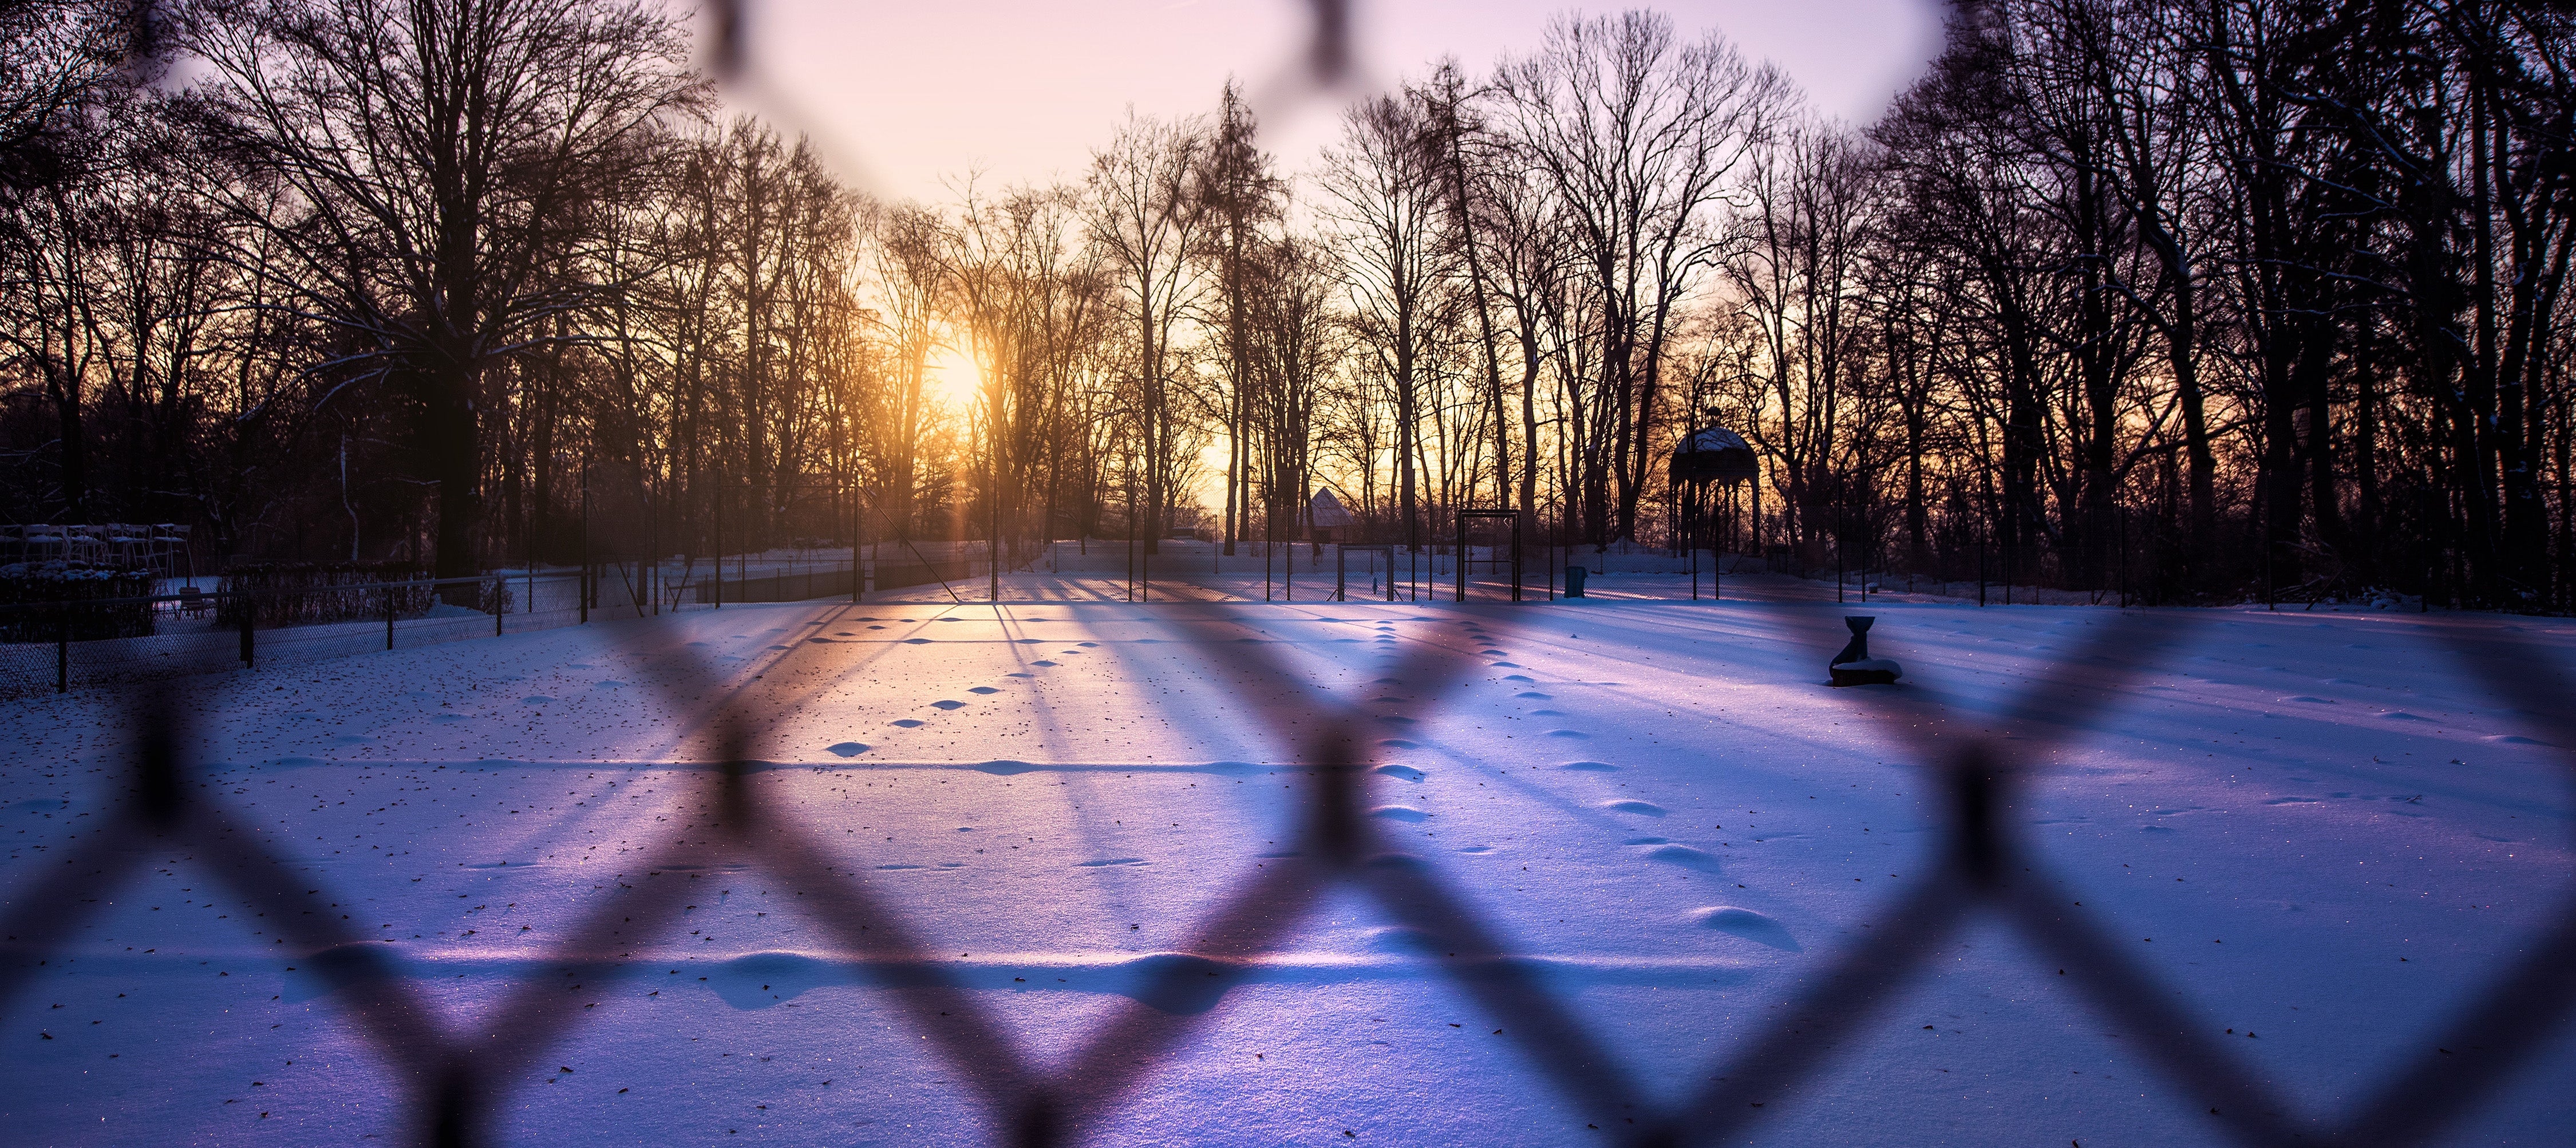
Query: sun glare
953	380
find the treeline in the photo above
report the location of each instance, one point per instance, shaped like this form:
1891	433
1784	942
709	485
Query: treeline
2196	301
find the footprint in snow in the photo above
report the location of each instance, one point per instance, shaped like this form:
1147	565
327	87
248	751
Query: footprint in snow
846	749
1405	772
1630	805
1592	766
1042	663
537	699
2513	739
2402	715
906	723
1534	694
1577	735
1684	856
983	690
1398	813
1108	861
945	704
1747	924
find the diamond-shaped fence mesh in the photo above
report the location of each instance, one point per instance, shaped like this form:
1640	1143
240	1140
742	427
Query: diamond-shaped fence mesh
460	1075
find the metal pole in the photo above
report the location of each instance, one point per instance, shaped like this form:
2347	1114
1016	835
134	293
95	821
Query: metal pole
583	587
718	495
247	604
63	649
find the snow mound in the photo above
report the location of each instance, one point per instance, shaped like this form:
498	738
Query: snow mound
1746	923
1684	856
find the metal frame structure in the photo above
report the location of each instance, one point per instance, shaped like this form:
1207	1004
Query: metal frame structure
1459	568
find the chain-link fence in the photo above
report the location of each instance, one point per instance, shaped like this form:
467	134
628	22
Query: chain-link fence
461	1078
1988	871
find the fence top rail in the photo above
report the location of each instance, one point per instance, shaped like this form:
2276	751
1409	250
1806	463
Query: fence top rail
279	591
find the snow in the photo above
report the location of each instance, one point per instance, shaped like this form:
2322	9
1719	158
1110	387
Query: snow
2317	835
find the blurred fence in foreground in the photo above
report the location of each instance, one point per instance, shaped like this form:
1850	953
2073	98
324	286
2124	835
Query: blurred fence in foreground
463	1075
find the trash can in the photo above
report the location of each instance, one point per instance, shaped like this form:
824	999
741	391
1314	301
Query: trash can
1573	581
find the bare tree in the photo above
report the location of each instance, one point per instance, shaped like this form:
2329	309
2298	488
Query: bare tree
1638	136
1148	217
1384	189
437	153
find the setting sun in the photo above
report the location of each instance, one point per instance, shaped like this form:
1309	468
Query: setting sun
953	379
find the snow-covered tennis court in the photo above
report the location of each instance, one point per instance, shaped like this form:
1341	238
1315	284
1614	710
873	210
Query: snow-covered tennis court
1655	827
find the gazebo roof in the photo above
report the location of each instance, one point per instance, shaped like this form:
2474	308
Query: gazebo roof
1714	454
1712	438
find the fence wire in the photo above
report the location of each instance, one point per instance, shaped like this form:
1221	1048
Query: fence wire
1987	871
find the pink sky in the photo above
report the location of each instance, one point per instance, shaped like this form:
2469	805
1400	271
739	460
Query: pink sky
904	96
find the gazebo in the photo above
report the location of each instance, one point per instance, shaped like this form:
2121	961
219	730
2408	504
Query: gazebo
1705	469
